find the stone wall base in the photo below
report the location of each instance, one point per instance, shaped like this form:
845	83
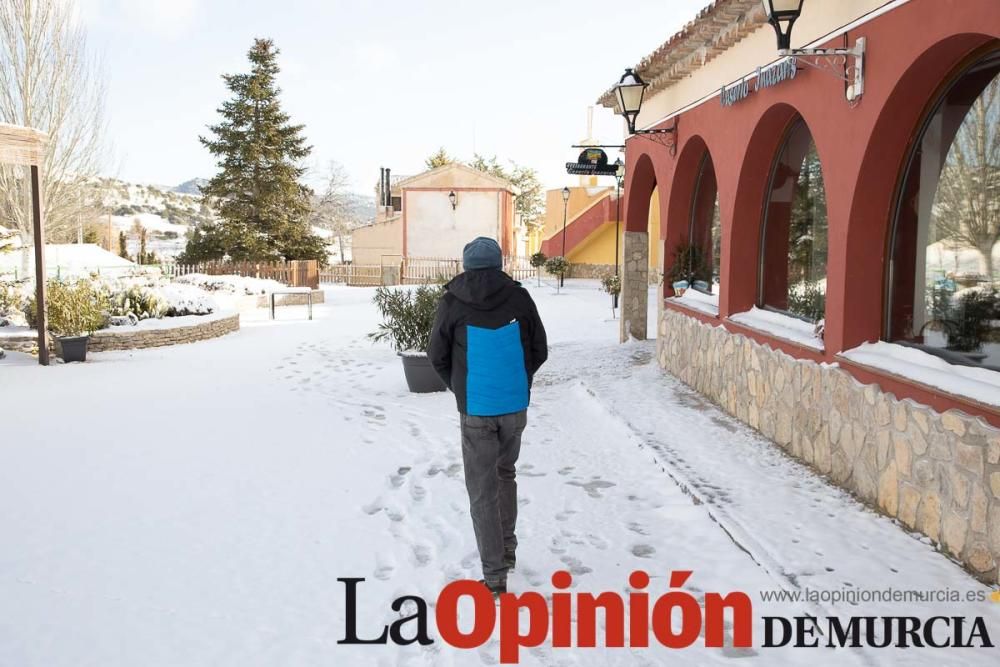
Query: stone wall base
135	339
938	474
635	285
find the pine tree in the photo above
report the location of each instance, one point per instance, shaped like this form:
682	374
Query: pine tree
439	159
262	204
122	245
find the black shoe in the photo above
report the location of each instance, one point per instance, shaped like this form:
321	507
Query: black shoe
510	560
496	589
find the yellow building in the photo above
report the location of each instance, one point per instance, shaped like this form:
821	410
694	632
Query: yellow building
590	220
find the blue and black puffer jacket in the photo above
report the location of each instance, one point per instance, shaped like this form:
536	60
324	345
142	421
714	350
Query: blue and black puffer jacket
488	342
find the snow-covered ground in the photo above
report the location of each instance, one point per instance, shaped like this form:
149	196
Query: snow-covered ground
196	505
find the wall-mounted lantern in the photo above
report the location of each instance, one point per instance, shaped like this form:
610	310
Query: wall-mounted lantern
848	65
629	93
453	198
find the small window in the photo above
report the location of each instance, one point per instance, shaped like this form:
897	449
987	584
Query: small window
397	203
706	231
794	246
945	271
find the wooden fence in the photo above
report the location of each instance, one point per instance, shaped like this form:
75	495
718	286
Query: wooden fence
355	275
296	273
413	271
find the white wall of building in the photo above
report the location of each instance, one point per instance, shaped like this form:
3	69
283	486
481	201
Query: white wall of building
433	229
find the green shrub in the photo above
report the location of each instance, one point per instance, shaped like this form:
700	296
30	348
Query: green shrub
137	301
11	299
807	299
557	265
612	283
689	265
538	259
971	320
74	308
408	317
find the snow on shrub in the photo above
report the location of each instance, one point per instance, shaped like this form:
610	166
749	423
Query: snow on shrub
13	295
183	300
231	284
144	303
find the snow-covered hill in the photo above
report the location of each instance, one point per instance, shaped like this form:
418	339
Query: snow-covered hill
166	214
169	213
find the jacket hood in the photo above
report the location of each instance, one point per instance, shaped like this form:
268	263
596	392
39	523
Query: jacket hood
482	289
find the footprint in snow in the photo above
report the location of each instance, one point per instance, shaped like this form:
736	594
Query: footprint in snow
533	577
642	551
422	554
374	507
597	542
384	567
575	567
637	528
593	487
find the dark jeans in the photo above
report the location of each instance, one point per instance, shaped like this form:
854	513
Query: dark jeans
490	447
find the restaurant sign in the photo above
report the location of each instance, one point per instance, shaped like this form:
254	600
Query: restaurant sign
592	162
766	77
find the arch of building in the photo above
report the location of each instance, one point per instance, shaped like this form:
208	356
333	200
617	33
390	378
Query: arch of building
862	150
915	51
876	188
680	198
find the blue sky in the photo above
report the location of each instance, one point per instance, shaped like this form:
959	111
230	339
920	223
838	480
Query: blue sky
376	83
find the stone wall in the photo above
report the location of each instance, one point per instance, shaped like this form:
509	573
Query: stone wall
128	338
589	270
635	285
938	474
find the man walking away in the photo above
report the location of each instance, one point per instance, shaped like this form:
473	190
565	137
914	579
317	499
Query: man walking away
487	344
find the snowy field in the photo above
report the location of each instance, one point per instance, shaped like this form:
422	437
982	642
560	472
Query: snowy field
196	505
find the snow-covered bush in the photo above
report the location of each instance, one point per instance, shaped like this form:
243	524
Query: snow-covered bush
12	301
231	284
180	300
142	302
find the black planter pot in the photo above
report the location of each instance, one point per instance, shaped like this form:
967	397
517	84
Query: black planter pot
421	377
73	348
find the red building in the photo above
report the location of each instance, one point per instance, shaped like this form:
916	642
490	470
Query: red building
836	246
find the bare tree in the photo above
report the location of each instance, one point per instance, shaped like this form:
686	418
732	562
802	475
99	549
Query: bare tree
332	208
49	81
6	240
967	207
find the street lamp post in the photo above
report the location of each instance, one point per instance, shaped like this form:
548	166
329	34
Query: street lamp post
565	197
619	176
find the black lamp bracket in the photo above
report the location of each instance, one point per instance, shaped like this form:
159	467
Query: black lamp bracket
664	136
848	65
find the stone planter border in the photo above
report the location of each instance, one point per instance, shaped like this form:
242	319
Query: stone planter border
189	330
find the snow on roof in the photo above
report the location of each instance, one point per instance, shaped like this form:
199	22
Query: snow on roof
715	29
69	258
